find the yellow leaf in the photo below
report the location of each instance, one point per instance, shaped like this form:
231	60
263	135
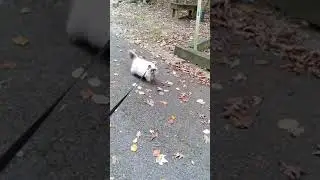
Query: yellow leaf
134	147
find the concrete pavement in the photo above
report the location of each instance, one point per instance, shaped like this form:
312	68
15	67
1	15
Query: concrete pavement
134	114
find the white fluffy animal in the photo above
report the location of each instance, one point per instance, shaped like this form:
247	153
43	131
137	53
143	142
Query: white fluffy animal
141	67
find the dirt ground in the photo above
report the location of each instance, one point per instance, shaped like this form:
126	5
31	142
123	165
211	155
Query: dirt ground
271	131
152	28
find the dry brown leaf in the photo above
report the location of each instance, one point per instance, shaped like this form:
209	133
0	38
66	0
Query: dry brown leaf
184	97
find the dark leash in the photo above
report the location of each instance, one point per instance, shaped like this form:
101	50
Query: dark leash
6	157
118	104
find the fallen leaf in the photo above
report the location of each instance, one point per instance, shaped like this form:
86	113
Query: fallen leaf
206	139
239	77
138	134
261	62
94	82
296	132
169	83
202	116
62	107
25	10
20	154
135	140
114	159
234	63
256	100
85	94
161	159
148	90
84	75
100	99
192	162
161	93
206	131
178	89
216	86
172	119
141	92
178	155
165	90
7	65
156	152
292	172
116	74
134	147
154	134
184	97
159	89
115	60
78	72
201	101
164	102
134	84
139	87
150	102
20	40
288	124
316	153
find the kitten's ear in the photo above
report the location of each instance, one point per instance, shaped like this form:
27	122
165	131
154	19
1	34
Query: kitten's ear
132	55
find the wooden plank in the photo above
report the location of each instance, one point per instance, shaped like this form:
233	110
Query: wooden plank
195	57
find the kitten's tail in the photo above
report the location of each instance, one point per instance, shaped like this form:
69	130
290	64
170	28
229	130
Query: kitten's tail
132	55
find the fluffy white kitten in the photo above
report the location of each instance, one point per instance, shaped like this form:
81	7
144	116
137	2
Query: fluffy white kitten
140	66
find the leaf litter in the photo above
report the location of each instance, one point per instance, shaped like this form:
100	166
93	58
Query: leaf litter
292	172
241	110
156	39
